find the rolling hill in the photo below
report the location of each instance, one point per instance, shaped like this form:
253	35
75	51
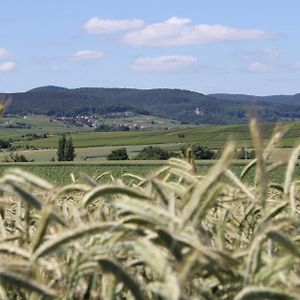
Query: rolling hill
284	99
182	105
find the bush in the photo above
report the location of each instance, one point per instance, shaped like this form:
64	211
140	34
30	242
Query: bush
155	153
15	157
200	152
4	144
118	154
244	153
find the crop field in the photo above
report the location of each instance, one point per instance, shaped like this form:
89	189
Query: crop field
189	230
95	154
59	173
210	136
151	122
15	128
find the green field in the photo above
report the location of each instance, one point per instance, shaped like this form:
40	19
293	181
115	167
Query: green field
95	146
33	124
11	126
59	173
211	136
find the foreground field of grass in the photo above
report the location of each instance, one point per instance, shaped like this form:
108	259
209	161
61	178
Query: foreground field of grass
184	232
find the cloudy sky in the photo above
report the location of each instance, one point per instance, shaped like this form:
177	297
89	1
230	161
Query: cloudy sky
208	46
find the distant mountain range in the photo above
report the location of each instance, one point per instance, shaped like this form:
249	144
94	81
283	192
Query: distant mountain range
182	105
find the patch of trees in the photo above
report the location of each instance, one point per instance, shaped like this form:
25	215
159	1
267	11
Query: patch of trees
4	144
154	153
118	154
33	136
200	152
107	128
66	149
15	157
17	125
244	153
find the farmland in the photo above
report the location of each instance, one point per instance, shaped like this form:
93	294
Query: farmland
16	128
59	173
181	231
211	136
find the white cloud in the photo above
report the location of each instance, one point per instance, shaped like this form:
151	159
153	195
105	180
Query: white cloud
88	54
7	66
4	52
257	67
270	55
164	63
105	26
178	31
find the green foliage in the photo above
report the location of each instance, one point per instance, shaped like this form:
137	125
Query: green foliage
4	144
65	149
244	153
15	157
153	153
199	152
69	150
107	128
61	148
118	154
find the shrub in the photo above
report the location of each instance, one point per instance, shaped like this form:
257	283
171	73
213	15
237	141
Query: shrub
243	153
118	154
155	153
200	152
15	157
4	144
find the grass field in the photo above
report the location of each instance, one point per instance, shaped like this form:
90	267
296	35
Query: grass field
82	154
43	124
33	124
211	136
59	173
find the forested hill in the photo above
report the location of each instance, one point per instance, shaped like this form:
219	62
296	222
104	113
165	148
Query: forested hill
286	99
185	106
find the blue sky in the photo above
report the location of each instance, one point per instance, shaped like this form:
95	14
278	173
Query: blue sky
208	46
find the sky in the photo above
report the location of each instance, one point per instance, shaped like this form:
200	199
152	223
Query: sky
215	46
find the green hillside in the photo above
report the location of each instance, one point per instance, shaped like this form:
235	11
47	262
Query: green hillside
181	105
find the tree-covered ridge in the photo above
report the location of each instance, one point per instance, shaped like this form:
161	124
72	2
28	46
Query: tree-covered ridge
182	105
285	99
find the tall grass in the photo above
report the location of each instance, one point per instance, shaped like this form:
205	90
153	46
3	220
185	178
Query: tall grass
171	235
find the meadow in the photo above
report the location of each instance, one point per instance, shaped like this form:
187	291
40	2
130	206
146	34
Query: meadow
211	136
58	173
15	128
95	146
